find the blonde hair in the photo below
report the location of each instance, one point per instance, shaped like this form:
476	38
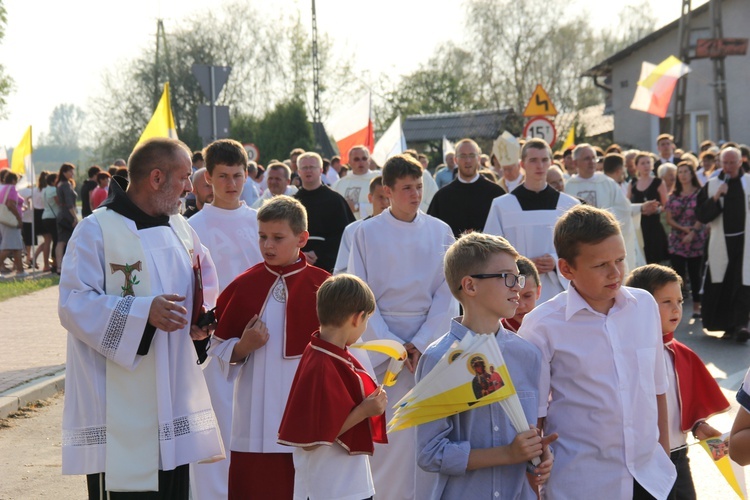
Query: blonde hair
286	208
341	296
469	255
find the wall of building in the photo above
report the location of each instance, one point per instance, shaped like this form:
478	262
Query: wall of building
639	129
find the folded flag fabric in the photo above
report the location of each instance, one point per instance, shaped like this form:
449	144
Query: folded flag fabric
390	348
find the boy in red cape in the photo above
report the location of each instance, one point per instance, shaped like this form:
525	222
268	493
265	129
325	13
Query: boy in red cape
693	394
335	409
266	317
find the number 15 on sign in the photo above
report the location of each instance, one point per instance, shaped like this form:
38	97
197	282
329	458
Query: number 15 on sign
540	128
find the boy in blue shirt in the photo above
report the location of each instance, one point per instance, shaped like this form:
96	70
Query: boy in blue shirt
478	453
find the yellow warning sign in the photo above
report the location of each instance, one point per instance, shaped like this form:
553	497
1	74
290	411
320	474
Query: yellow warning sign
540	104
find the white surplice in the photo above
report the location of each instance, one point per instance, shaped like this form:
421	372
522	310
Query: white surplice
263	382
231	237
105	327
531	233
602	192
342	259
402	262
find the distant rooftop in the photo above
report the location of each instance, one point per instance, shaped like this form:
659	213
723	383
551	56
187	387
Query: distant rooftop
481	124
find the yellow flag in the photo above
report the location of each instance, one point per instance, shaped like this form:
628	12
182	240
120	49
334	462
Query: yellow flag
571	139
22	156
718	449
162	121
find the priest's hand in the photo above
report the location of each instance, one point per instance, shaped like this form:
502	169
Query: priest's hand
649	207
544	263
165	314
253	338
311	257
412	356
198	333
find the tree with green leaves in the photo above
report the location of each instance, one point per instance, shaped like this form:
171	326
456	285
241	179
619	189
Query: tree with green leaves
6	82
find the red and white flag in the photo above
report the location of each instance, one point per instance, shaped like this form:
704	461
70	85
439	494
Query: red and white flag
353	127
656	85
3	158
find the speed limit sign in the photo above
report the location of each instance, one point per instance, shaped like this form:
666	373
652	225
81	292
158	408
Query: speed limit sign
541	128
252	152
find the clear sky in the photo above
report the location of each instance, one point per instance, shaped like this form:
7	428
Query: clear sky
56	50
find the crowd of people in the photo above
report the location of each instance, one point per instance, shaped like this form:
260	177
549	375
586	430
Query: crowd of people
530	246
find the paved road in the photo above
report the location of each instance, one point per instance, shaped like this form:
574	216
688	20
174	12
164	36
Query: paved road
34	344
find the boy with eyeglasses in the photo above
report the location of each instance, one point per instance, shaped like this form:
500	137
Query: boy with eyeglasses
478	453
527	215
399	254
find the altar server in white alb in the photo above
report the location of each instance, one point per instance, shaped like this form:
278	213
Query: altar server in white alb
526	217
137	410
399	254
229	229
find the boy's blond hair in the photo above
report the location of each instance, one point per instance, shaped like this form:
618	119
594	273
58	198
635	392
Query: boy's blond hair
284	208
652	277
469	255
341	296
582	224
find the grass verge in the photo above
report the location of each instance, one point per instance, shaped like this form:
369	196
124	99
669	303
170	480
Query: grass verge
16	288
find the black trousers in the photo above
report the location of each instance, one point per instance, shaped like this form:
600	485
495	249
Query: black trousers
689	268
173	485
639	493
683	488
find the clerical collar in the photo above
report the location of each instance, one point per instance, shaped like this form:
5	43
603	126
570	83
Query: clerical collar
118	201
471	181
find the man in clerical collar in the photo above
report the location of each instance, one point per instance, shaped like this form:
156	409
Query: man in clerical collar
127	300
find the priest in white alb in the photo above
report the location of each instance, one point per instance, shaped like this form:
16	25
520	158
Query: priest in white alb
526	217
137	410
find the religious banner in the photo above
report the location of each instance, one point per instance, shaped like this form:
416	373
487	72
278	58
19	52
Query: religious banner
162	122
471	374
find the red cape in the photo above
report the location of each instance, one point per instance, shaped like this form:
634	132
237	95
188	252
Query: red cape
510	324
328	385
699	394
248	294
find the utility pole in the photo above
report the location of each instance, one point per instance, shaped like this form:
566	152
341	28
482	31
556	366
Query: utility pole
322	142
720	79
683	35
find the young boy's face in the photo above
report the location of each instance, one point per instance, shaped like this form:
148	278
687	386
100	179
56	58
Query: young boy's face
669	298
278	243
227	181
597	271
527	299
491	296
406	196
379	200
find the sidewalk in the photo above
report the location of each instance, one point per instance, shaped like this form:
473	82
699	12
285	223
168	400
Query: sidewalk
32	359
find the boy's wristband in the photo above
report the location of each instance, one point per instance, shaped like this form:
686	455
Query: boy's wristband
695	427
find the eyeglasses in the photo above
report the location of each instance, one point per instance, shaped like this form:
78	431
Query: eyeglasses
510	279
469	156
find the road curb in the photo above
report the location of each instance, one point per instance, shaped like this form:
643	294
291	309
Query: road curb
14	399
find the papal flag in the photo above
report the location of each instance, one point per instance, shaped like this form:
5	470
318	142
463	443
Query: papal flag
718	449
392	349
570	140
656	85
21	159
162	122
353	127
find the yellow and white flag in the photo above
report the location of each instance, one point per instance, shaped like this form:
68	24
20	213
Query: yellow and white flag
718	449
392	349
162	122
471	374
21	160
